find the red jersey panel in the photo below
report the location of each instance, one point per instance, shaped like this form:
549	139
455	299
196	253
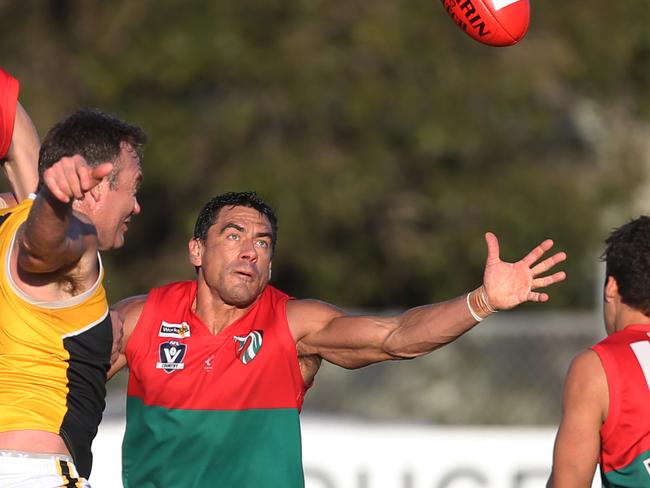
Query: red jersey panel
8	99
625	435
175	362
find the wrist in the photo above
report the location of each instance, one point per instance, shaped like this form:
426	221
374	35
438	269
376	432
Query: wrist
478	304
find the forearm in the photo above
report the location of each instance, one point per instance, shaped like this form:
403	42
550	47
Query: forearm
424	329
21	164
45	245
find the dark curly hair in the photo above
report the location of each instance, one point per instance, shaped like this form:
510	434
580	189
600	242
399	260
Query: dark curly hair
93	134
210	212
627	258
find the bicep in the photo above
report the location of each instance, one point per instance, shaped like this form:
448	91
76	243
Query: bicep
124	317
577	446
345	340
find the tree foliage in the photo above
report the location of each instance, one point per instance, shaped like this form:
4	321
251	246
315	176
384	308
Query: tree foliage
386	139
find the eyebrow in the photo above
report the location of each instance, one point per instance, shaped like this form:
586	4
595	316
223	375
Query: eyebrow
231	225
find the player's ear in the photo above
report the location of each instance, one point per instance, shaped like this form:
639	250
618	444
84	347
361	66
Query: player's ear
195	248
96	191
611	289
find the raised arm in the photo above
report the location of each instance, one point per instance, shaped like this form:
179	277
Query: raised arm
21	164
124	315
585	404
354	341
55	237
19	142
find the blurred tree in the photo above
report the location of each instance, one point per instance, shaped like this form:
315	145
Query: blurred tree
387	140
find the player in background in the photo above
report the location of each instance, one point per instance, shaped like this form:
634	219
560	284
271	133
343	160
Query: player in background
55	330
19	143
219	366
606	401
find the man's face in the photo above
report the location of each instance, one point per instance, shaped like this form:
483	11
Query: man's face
235	259
118	204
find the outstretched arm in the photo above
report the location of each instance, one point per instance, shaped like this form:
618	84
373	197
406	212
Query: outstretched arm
54	237
354	341
585	405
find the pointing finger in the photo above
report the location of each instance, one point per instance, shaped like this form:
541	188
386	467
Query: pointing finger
102	170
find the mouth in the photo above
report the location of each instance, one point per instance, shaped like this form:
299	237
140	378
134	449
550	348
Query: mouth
244	274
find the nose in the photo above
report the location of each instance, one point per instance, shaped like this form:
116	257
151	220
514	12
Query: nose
248	251
136	206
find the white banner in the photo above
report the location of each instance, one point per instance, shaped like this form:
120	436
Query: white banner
345	454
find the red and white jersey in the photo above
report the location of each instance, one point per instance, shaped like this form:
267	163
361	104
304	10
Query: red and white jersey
625	435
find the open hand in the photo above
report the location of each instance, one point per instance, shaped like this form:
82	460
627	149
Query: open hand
509	284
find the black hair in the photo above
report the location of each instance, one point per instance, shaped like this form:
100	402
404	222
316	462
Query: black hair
210	212
627	258
95	135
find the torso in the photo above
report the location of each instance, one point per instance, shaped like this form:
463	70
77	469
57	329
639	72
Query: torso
237	394
53	361
625	435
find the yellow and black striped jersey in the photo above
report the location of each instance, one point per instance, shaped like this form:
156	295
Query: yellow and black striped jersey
53	355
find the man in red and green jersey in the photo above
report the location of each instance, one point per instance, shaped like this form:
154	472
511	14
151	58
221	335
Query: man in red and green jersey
606	413
219	366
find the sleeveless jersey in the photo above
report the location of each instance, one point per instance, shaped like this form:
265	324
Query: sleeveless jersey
625	435
212	410
54	356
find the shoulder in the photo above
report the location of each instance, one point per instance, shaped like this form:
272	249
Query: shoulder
586	382
586	367
129	306
308	316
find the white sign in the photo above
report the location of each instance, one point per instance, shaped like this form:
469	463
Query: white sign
344	454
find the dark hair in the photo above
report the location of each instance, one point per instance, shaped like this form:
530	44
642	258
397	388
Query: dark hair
210	212
627	258
93	134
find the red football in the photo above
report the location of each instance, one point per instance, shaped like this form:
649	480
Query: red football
492	22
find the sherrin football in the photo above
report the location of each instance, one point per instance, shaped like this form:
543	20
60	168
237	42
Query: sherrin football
492	22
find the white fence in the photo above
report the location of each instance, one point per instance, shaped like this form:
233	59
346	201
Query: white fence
347	454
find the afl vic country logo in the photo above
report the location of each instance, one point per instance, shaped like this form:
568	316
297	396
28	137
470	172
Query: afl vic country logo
248	346
171	356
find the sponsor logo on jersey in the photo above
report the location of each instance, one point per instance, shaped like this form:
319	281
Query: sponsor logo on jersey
171	356
248	346
181	330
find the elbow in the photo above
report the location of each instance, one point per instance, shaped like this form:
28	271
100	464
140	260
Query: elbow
399	350
31	260
399	353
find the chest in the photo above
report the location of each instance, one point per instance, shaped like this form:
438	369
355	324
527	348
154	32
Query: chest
180	365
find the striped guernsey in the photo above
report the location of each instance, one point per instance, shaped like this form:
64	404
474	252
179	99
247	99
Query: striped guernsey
625	446
53	355
212	410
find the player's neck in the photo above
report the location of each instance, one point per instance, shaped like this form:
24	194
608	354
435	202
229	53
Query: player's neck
630	316
214	312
